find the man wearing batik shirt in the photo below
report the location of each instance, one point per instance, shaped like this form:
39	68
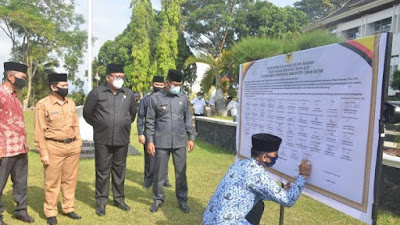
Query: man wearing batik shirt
240	195
13	145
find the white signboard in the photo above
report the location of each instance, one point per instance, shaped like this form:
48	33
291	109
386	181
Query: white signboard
325	105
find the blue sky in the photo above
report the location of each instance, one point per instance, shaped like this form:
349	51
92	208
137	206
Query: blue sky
110	18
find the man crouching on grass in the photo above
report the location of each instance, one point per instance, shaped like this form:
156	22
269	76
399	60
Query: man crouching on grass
239	196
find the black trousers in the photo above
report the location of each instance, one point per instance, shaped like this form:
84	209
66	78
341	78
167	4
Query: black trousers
149	167
255	214
110	159
160	173
17	167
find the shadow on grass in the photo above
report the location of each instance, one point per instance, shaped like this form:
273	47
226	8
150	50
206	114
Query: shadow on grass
138	177
389	209
173	213
85	193
134	176
36	200
212	148
170	208
135	194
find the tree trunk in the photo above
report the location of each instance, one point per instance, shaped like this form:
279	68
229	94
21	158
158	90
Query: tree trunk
28	94
25	102
220	102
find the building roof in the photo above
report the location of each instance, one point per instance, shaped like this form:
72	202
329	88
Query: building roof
349	5
352	9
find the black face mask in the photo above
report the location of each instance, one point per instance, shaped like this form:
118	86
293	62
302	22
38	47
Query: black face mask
157	89
62	92
19	83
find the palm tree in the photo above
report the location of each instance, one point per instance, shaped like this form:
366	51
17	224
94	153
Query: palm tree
217	67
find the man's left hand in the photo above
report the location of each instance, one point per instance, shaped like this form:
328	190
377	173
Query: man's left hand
287	185
191	146
142	139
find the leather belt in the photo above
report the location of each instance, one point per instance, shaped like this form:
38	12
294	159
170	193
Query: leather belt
66	141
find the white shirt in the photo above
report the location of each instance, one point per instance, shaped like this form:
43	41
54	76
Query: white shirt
198	105
212	98
232	107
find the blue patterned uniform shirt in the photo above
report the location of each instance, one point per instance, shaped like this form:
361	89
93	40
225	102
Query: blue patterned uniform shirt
246	183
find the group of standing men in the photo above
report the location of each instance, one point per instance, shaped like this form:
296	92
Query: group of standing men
111	108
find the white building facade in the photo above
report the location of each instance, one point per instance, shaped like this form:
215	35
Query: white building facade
360	18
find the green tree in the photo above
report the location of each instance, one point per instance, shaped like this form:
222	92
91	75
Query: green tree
209	24
113	51
213	25
183	52
40	87
217	68
313	39
318	9
43	33
140	70
265	19
189	76
395	82
79	97
254	48
167	46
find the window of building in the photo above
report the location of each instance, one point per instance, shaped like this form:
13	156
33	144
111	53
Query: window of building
383	25
353	33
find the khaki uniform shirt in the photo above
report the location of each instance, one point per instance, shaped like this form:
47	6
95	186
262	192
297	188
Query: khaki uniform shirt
55	119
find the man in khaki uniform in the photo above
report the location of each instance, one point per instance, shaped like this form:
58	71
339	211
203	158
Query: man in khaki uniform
58	140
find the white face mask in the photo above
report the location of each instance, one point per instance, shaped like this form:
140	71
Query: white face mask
118	83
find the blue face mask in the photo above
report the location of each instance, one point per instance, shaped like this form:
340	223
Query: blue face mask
175	89
273	160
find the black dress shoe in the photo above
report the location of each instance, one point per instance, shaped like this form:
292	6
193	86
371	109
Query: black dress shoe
25	217
73	215
101	211
184	207
147	184
155	206
52	220
122	206
167	184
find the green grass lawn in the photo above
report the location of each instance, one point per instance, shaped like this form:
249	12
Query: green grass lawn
222	117
207	164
